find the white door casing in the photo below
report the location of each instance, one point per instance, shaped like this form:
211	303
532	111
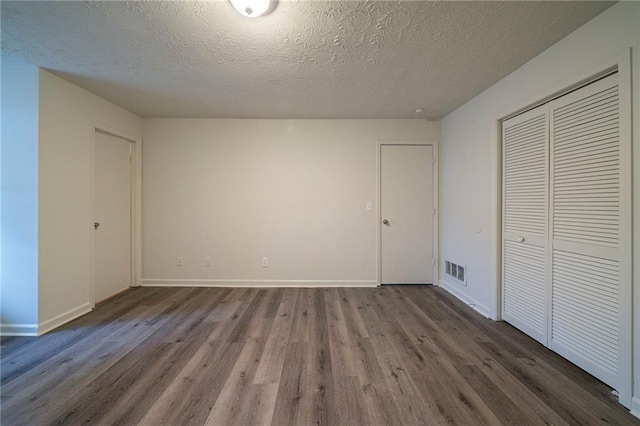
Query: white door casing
112	234
407	214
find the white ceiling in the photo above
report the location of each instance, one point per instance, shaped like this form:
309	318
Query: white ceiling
307	59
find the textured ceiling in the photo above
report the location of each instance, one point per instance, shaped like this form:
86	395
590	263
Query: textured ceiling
307	59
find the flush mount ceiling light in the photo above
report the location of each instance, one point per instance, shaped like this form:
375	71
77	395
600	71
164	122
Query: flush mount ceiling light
418	111
253	8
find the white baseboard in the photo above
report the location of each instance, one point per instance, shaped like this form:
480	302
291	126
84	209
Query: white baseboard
478	307
635	406
257	283
63	318
18	329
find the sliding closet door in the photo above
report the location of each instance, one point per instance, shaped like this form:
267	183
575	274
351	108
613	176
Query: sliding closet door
525	175
586	175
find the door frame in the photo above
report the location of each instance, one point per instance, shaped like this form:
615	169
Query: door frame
136	206
436	198
620	62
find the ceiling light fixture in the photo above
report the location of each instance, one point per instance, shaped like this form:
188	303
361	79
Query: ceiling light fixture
418	111
253	8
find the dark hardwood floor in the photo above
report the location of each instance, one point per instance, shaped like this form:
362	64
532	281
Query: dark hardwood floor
376	356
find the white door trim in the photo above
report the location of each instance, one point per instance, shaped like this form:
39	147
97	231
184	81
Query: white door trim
436	198
136	206
622	63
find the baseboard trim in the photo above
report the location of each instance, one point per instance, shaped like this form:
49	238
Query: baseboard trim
18	329
478	307
258	283
635	406
63	318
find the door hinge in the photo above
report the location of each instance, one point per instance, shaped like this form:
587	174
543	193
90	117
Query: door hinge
433	261
434	211
433	159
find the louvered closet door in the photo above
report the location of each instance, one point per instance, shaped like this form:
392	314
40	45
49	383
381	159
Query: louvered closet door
525	176
585	217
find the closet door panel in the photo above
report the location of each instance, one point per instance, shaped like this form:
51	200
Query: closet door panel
585	228
525	171
585	299
523	301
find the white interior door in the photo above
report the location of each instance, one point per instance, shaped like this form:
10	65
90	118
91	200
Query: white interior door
406	233
112	215
587	299
524	287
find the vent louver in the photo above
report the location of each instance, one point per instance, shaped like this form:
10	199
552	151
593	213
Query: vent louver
455	271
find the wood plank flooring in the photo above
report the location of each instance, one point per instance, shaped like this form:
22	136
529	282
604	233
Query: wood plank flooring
400	355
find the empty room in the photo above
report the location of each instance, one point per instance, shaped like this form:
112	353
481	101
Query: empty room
274	212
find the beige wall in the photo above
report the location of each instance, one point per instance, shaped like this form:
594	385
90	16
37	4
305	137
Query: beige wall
239	190
67	114
469	202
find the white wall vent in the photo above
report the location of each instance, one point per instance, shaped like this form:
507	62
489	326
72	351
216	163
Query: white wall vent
455	271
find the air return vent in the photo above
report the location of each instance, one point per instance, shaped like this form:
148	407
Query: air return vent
455	271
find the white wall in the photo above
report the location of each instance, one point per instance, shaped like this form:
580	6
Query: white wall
19	203
239	190
470	164
67	116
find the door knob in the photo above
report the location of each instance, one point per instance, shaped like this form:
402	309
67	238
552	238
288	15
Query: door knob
386	222
96	225
521	239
